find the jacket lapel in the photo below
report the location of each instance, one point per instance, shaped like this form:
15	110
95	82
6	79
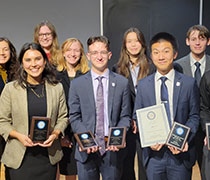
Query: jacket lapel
177	87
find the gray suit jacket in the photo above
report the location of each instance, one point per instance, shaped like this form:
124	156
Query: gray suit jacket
83	109
185	110
14	116
185	64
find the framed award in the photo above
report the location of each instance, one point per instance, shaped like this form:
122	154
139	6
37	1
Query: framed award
40	129
153	125
85	140
178	136
208	135
117	137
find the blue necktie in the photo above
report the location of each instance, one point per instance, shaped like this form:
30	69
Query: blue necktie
164	98
197	73
100	116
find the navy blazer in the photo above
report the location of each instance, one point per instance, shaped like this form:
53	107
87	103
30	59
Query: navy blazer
83	110
185	110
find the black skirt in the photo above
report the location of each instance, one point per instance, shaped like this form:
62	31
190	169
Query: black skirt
35	165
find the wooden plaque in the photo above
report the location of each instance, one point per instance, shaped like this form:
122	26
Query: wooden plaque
40	129
178	136
117	137
85	140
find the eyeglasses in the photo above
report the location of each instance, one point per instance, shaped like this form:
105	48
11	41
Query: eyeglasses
102	53
45	34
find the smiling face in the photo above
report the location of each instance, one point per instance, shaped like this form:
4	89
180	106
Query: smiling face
197	44
34	64
99	56
72	53
45	37
133	45
162	55
4	52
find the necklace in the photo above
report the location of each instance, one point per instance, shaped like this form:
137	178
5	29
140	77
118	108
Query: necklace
36	94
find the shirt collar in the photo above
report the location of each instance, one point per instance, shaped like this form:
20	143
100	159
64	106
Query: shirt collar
193	61
95	76
170	75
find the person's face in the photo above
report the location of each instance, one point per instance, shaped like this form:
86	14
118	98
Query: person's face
72	54
34	64
4	52
197	43
98	56
133	45
45	37
162	55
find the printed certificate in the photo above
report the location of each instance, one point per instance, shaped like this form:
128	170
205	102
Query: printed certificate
153	125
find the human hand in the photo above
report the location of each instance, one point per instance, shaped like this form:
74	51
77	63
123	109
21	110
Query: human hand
65	142
156	147
177	151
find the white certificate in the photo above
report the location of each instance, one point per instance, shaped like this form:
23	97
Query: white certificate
153	125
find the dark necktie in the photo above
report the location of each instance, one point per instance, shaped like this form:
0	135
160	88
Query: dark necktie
198	73
164	98
1	84
100	116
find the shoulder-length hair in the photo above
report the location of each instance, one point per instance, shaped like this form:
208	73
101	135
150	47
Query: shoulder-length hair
55	45
82	64
124	60
48	73
12	64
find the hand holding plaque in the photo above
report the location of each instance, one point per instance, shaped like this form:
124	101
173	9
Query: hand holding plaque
178	136
85	140
40	129
117	137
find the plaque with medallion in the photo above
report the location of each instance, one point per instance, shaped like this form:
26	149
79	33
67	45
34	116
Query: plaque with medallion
40	129
117	137
178	136
85	140
208	135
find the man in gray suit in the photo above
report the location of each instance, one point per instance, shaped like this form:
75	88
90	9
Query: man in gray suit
198	38
84	117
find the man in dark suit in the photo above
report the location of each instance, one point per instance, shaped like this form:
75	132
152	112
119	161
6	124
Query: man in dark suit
165	162
84	116
197	38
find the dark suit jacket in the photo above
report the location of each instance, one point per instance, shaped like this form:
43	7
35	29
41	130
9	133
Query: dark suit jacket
185	110
185	64
83	110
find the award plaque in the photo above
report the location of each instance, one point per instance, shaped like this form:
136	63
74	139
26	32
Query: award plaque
208	135
40	129
178	136
117	137
85	140
153	125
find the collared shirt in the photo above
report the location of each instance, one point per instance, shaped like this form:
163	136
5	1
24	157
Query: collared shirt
134	74
170	86
105	82
202	61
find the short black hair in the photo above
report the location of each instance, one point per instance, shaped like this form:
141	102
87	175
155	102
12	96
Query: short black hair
164	36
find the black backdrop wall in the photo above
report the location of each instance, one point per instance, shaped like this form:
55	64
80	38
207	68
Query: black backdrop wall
151	16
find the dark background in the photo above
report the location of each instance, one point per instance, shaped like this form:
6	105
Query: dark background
152	16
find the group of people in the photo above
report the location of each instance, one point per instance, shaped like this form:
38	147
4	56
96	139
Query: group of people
79	93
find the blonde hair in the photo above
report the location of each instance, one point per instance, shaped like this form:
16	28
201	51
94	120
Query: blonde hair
82	65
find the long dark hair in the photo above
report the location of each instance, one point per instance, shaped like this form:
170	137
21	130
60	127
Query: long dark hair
12	64
49	72
123	62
